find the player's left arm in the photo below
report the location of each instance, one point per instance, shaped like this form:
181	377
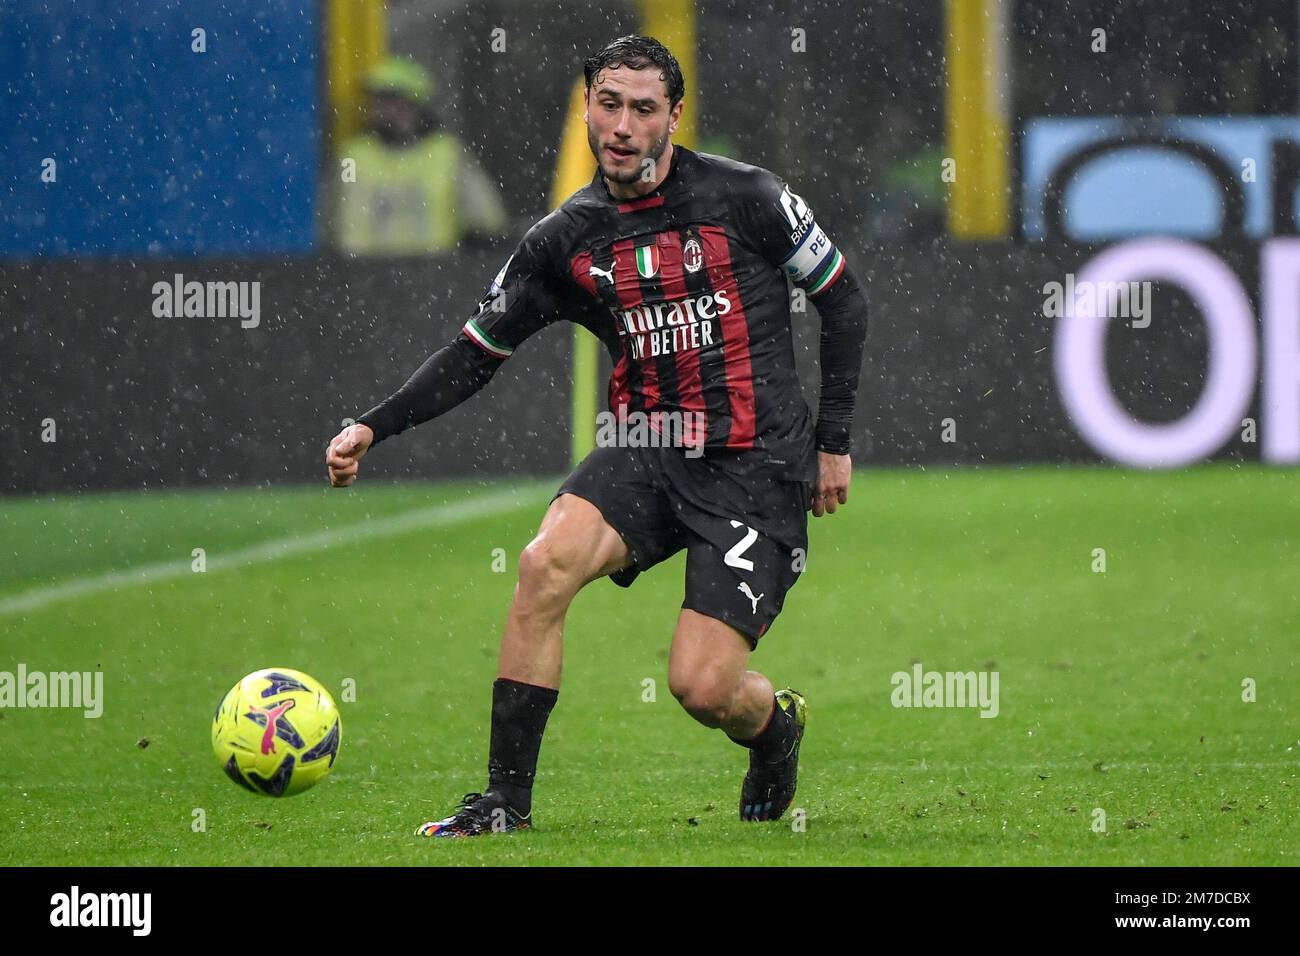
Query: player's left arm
790	237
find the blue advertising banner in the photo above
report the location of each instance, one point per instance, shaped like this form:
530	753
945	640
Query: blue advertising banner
159	128
1104	178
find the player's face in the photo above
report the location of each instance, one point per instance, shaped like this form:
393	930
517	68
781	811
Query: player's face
628	122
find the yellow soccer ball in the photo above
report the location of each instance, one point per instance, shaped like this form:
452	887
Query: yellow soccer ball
277	732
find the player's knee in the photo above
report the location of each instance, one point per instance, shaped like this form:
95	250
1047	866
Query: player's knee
548	571
707	699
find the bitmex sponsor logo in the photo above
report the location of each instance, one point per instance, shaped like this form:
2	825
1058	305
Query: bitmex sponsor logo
76	689
624	429
920	688
103	909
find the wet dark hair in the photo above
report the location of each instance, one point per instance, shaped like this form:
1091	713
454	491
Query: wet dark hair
636	53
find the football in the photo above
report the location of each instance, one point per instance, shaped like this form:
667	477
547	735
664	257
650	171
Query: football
277	732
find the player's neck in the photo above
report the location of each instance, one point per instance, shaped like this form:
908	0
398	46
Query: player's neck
635	190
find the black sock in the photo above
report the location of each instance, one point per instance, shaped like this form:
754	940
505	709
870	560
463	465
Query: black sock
519	713
773	741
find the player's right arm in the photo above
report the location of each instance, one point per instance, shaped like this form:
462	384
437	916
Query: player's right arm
517	304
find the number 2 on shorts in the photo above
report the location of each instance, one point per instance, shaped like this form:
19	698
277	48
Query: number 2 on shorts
733	557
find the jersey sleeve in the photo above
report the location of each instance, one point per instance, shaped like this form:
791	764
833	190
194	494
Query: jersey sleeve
519	301
786	233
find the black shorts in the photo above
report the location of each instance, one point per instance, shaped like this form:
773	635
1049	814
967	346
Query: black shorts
745	532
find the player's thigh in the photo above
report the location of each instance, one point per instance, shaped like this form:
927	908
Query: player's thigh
578	536
625	485
707	659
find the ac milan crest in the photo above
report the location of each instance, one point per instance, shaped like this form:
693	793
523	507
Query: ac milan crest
692	255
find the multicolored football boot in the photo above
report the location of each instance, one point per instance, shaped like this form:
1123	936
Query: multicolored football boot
478	813
769	786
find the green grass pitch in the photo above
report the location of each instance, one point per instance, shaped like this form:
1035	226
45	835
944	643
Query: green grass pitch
1119	691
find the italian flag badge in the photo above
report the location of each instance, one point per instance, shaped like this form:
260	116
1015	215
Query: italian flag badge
647	261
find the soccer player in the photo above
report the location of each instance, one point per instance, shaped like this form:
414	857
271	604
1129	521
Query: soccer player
677	261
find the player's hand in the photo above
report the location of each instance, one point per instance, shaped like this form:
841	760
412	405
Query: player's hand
343	456
832	486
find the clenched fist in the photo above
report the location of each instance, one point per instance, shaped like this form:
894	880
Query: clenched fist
343	456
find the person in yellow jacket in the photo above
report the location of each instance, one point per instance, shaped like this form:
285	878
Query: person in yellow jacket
417	189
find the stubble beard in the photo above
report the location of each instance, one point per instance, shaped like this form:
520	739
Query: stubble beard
625	176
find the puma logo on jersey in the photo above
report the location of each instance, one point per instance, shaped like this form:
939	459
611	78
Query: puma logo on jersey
607	273
744	586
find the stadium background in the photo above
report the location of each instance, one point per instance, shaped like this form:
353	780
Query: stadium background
978	504
226	186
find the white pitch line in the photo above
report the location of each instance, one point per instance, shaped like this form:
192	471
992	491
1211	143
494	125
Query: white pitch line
419	519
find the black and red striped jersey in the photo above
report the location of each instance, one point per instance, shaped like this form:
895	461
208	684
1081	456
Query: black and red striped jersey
686	287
